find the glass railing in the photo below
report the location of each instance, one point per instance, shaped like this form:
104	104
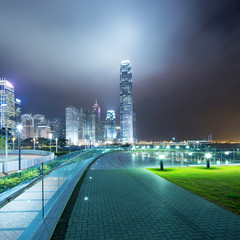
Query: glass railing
54	181
192	157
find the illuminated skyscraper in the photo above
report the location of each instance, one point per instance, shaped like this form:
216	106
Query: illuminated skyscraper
111	125
126	102
18	110
27	124
38	120
97	108
72	124
7	107
82	126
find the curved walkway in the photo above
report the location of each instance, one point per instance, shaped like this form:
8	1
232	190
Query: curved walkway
118	200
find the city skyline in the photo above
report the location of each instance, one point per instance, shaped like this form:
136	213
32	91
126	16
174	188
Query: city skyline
184	56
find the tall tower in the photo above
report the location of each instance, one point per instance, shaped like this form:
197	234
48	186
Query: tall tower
126	102
98	110
7	104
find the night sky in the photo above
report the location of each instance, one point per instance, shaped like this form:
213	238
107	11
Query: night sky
185	57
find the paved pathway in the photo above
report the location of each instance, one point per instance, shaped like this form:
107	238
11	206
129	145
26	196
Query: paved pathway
126	202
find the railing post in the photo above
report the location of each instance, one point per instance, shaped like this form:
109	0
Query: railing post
42	194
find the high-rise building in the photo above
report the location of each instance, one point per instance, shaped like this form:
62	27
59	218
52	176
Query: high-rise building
82	131
72	125
55	126
27	124
18	110
93	124
7	107
126	102
97	108
38	120
102	131
134	127
44	131
111	125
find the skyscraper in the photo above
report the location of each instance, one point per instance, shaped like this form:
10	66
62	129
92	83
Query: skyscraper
111	125
72	124
55	125
18	110
134	127
38	120
27	124
97	108
126	102
82	129
7	107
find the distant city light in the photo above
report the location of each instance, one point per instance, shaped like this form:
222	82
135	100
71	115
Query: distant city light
226	153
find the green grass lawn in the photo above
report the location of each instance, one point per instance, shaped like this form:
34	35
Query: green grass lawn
220	185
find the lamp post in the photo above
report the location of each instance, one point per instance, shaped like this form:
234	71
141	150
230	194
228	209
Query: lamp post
56	145
19	127
34	143
208	156
69	142
13	141
190	154
161	161
50	137
6	150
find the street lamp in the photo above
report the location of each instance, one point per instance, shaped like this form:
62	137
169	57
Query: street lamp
161	161
50	137
208	156
56	145
34	143
19	128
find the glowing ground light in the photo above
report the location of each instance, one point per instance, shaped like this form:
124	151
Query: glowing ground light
199	161
86	198
167	147
90	177
226	153
218	162
226	162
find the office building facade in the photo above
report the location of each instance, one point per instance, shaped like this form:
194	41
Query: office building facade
126	102
7	107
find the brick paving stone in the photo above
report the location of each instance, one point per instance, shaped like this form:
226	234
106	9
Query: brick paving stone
125	201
